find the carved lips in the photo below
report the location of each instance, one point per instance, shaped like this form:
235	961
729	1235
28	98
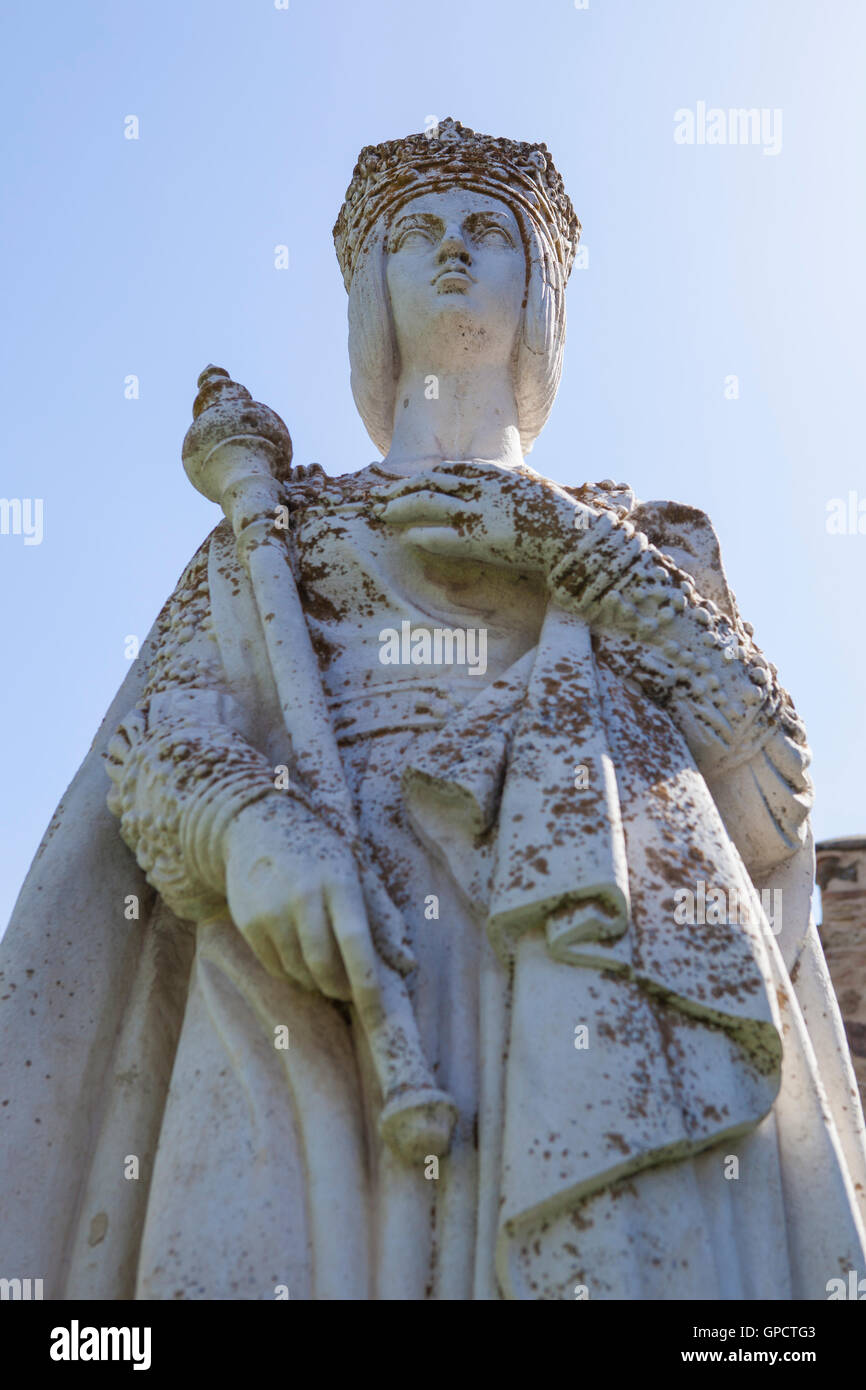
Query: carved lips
453	278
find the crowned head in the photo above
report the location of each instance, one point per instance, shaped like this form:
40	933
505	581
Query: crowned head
455	246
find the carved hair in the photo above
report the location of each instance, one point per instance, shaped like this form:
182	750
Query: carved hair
374	357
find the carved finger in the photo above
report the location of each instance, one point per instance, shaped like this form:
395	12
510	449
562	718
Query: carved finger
285	940
433	481
264	950
439	540
349	917
319	947
390	934
422	507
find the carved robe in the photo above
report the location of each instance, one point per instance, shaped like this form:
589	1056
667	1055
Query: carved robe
648	1107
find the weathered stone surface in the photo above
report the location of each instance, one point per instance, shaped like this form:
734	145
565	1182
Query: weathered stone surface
442	927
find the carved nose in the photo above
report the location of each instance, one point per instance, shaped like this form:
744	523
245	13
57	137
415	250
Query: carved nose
453	248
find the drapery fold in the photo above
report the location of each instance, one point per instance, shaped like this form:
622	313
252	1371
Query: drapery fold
607	1157
523	794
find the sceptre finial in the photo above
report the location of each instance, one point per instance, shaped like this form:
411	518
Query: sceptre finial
223	410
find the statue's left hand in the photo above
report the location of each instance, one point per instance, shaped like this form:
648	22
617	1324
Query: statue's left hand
479	511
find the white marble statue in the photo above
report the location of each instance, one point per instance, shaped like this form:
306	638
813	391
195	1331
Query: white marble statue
443	930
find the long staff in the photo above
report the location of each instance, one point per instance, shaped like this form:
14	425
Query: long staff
237	452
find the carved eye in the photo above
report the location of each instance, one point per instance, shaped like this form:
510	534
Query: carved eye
493	232
413	236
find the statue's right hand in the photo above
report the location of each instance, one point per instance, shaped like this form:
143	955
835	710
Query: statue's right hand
290	883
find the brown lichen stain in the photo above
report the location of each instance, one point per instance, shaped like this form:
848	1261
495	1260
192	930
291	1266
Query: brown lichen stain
98	1228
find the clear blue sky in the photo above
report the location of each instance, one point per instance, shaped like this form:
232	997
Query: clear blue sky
156	256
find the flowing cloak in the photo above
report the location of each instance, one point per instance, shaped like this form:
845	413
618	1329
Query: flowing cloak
658	1108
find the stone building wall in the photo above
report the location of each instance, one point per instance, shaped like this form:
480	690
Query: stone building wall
841	876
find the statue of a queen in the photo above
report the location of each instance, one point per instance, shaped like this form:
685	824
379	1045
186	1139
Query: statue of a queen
442	928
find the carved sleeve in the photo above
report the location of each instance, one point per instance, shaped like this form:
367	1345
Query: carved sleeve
180	764
654	587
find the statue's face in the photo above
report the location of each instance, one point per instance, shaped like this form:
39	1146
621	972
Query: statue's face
456	276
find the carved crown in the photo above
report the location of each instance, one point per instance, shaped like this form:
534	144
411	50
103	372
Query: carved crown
387	175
